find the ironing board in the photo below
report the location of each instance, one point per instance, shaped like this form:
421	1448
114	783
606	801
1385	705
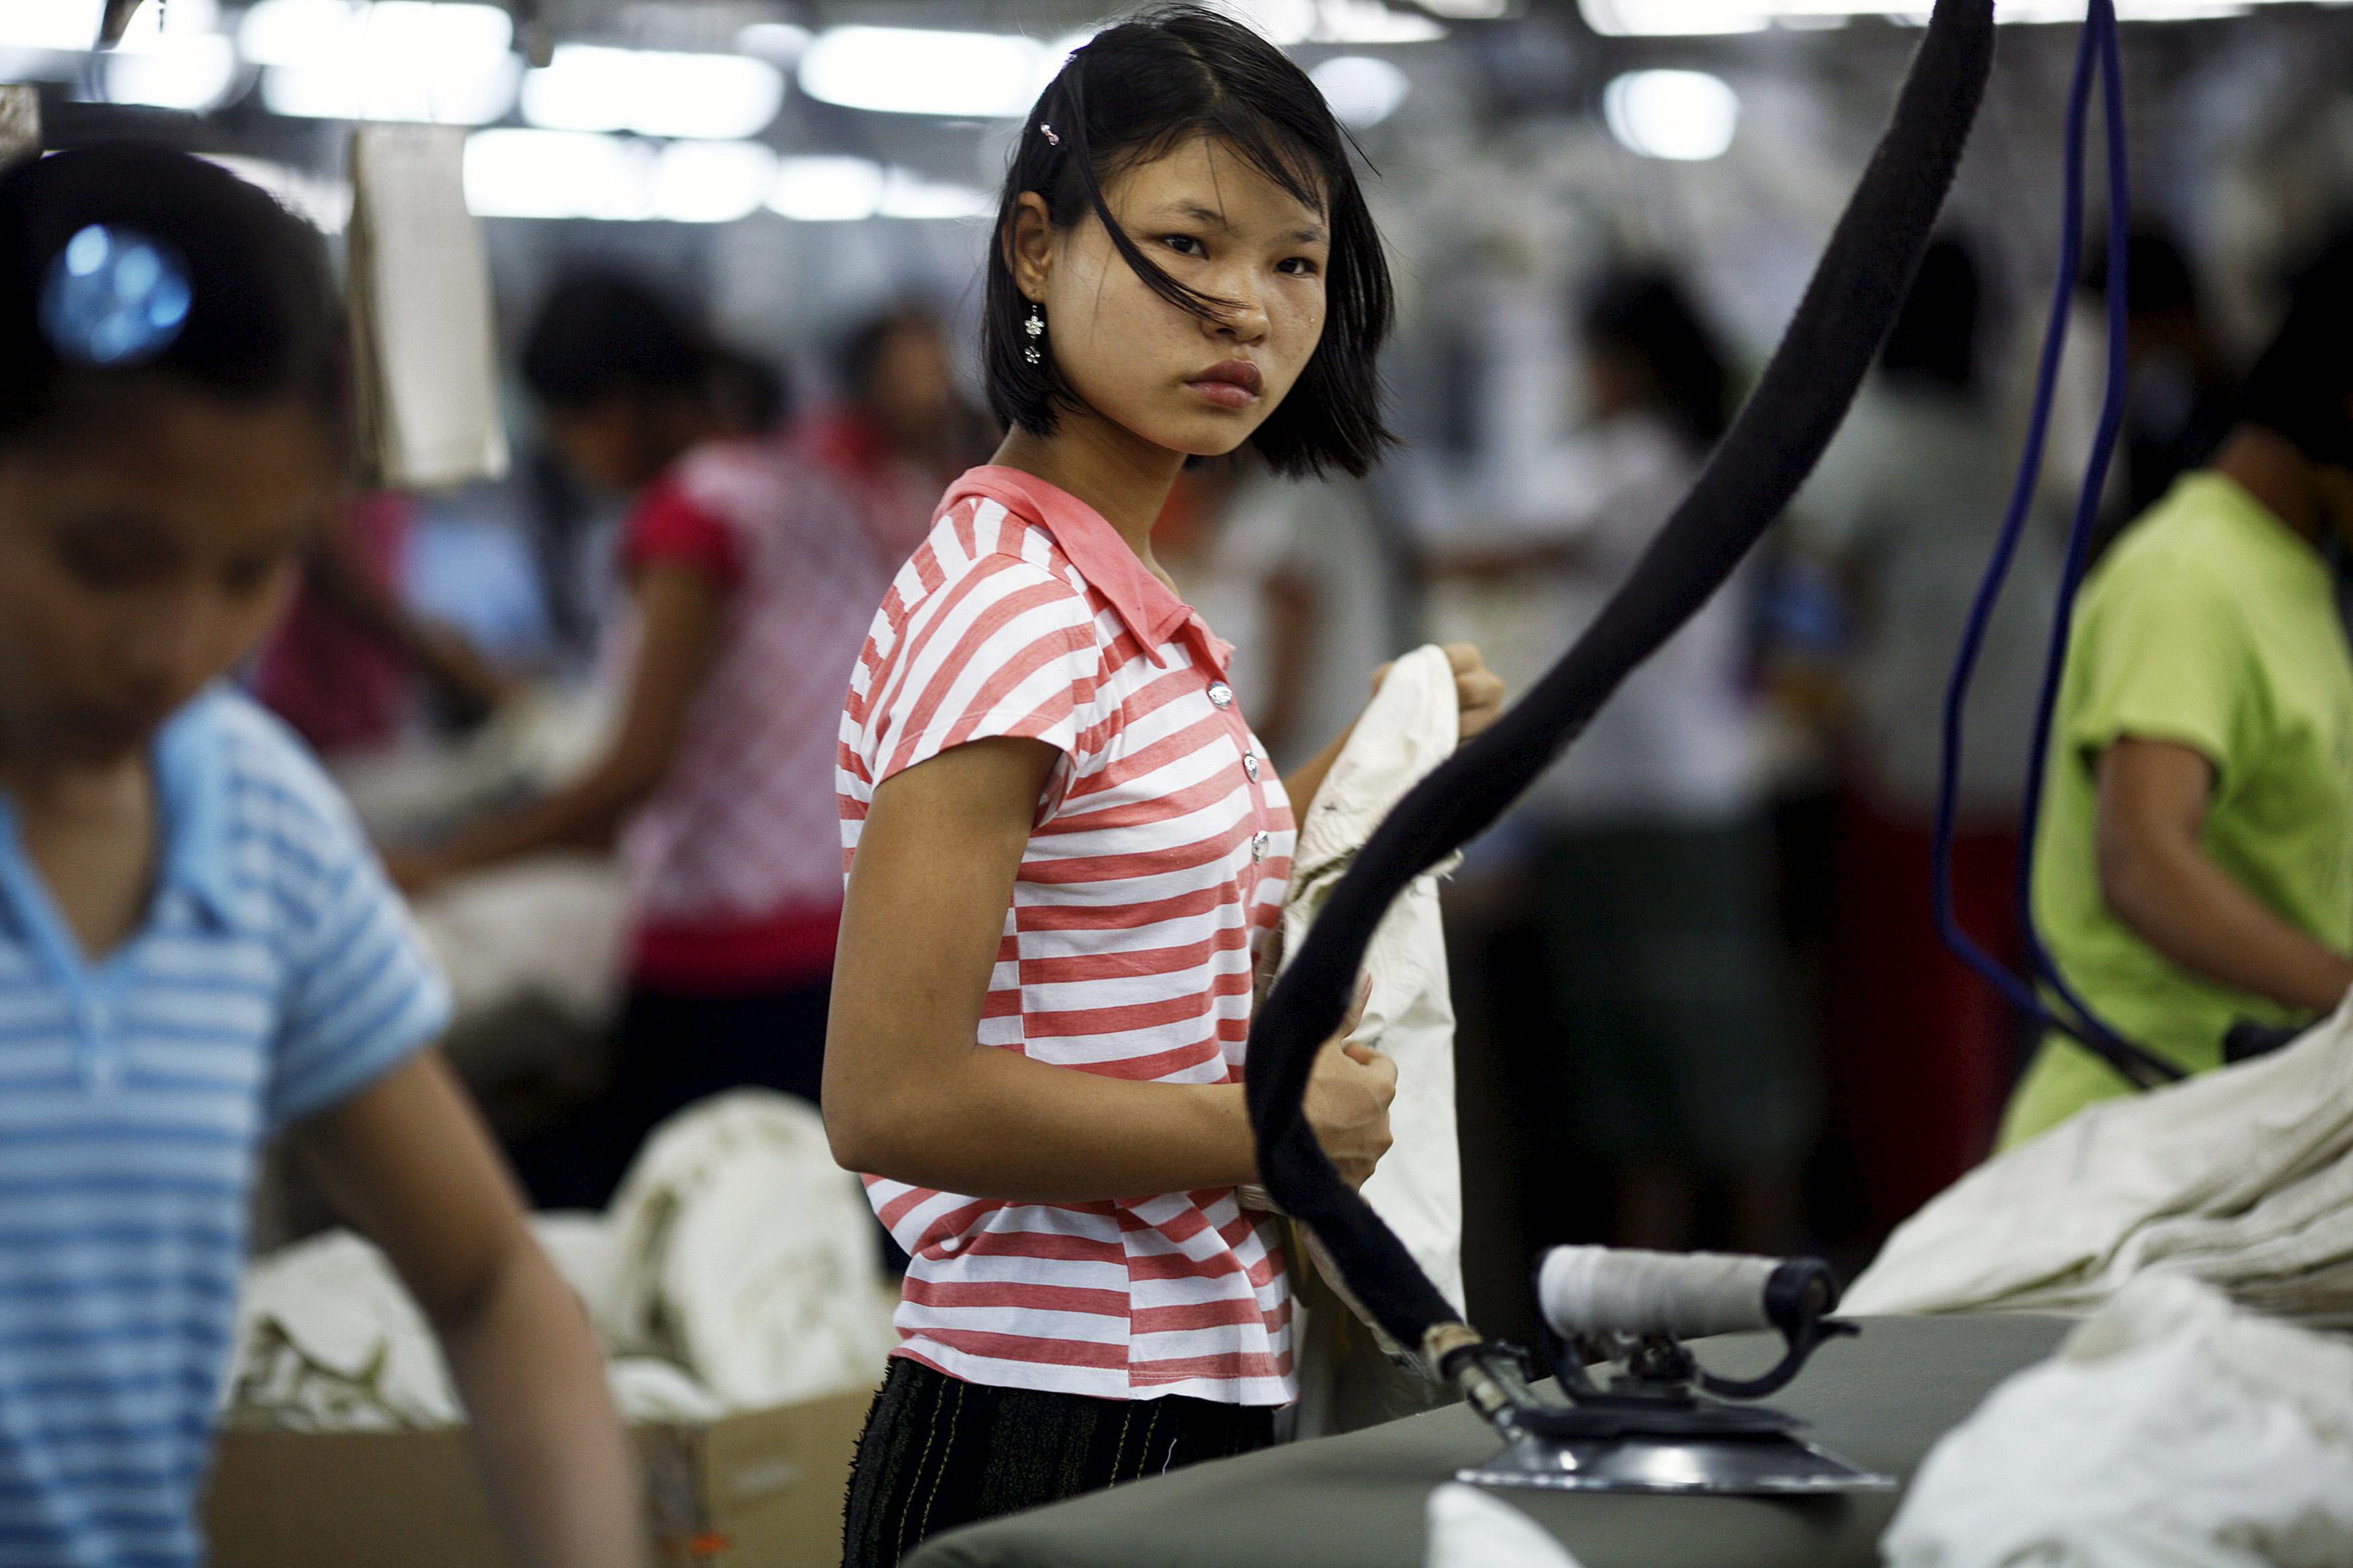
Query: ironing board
1357	1501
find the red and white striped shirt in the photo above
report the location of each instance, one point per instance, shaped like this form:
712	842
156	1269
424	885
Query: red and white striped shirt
1157	864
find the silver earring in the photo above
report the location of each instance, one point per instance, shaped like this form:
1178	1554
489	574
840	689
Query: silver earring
1035	327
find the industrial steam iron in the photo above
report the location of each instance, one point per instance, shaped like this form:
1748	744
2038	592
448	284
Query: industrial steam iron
1659	1422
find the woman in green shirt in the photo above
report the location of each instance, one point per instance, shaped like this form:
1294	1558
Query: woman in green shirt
2195	863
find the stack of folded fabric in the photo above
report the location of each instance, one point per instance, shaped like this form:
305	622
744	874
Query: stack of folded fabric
2242	1178
737	1270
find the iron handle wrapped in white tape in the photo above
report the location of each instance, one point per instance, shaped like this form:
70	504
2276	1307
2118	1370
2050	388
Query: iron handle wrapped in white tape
1603	1291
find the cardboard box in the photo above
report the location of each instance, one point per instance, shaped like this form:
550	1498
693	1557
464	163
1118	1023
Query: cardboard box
762	1488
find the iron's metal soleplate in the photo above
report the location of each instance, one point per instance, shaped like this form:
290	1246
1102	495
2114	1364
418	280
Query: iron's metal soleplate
1779	1466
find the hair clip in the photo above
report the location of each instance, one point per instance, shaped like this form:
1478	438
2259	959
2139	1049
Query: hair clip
113	297
1048	131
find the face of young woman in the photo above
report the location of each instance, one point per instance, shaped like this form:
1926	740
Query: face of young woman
1214	223
137	567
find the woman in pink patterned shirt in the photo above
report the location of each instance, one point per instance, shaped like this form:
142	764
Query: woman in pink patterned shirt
1065	846
751	576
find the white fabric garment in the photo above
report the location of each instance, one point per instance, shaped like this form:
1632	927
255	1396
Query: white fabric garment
582	1245
2243	1178
748	1256
2170	1431
1468	1529
737	1270
646	1388
546	931
1408	728
328	1339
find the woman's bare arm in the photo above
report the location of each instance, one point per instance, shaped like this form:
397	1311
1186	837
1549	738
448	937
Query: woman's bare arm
2157	876
912	1095
679	611
407	1162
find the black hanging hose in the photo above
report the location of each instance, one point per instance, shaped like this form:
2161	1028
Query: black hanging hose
1772	447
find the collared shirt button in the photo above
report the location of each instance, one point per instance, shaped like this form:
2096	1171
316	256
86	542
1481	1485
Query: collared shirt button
1258	842
1221	695
1250	764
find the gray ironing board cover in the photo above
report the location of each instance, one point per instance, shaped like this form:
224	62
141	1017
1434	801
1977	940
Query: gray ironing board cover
1357	1501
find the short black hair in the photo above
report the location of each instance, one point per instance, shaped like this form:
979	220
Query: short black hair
1936	334
2298	388
1135	91
262	323
2158	280
751	393
601	334
1645	314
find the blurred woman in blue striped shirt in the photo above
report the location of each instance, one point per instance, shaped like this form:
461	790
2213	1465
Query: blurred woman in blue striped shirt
196	947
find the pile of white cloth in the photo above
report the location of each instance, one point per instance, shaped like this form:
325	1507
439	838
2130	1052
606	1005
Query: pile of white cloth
737	1269
1350	1373
2243	1178
2172	1430
1410	728
544	931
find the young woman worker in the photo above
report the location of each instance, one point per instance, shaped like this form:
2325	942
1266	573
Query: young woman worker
198	948
1064	844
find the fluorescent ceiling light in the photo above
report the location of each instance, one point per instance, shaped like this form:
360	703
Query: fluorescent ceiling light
456	92
394	59
390	35
295	32
918	70
513	172
558	175
1289	22
1361	90
1469	10
1658	18
826	189
193	71
906	195
1371	22
655	93
712	182
172	58
49	23
1688	116
152	22
1665	17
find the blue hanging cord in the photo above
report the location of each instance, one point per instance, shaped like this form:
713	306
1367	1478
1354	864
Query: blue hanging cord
2097	52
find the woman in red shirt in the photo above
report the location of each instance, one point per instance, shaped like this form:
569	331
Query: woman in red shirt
751	580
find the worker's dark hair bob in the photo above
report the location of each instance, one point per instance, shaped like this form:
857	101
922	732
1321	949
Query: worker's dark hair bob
1134	93
2299	386
253	318
601	333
